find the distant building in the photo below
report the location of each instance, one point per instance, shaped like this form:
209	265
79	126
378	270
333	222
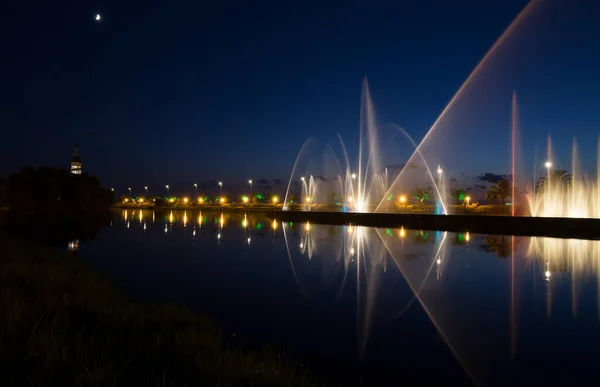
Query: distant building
76	166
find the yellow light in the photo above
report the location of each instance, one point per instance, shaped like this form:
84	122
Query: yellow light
402	232
171	217
200	200
275	199
467	236
245	222
171	200
184	218
245	199
350	199
185	200
548	164
403	199
141	200
274	224
468	199
125	200
222	200
350	229
222	221
308	200
307	226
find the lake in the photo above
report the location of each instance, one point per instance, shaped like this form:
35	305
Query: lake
394	306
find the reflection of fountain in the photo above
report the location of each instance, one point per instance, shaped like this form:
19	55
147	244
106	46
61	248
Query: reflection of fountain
367	250
575	258
560	194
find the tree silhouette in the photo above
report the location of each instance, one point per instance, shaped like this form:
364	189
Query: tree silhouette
500	246
458	194
422	194
558	177
500	191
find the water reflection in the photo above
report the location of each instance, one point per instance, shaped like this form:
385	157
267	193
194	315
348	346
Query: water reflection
487	296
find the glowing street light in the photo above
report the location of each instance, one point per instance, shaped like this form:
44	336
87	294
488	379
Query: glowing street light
440	170
129	191
302	178
196	187
245	199
222	200
467	200
275	199
308	199
185	200
167	187
200	200
350	199
112	189
403	199
98	17
220	188
353	176
548	164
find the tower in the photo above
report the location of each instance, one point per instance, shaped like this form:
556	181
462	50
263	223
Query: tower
76	162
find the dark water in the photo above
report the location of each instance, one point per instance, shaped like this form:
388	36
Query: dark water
393	306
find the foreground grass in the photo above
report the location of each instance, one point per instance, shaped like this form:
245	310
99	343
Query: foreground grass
63	324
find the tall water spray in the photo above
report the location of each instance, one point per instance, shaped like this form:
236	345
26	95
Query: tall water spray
559	193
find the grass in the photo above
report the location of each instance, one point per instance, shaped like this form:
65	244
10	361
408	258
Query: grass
64	324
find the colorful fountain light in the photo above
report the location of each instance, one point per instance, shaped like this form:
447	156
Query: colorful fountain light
559	193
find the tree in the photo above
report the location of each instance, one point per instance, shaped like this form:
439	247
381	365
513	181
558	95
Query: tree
422	194
500	191
500	246
558	177
293	199
458	194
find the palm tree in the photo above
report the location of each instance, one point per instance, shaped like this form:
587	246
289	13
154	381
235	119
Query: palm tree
500	246
458	194
421	194
500	191
557	176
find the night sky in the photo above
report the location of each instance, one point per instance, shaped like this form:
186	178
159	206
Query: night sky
182	91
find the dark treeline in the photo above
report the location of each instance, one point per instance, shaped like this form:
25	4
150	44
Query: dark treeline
52	205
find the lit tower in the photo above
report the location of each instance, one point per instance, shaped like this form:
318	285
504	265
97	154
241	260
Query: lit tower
76	162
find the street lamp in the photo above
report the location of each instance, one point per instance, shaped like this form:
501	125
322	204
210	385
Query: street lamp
146	188
250	182
220	188
354	176
129	191
467	200
167	187
196	187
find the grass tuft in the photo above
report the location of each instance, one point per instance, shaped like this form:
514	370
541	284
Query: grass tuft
64	324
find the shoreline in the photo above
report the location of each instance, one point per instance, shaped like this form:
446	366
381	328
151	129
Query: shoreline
578	228
66	324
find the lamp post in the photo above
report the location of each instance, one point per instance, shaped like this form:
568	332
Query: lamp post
250	182
220	188
129	191
196	188
167	187
146	188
